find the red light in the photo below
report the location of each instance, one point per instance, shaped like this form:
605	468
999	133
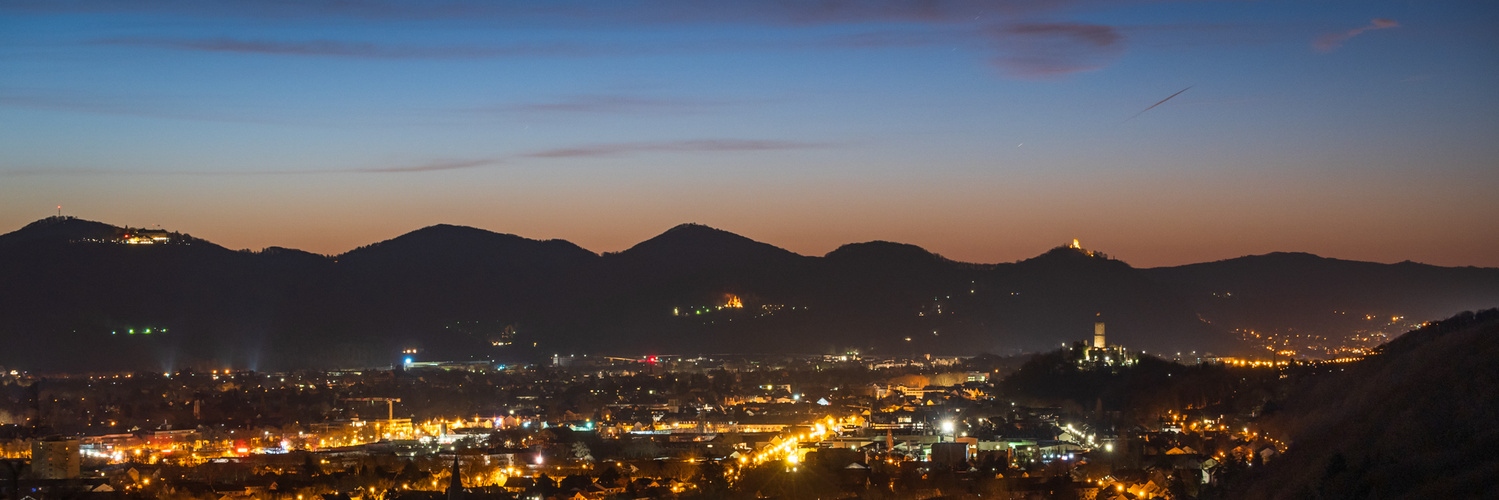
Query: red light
651	359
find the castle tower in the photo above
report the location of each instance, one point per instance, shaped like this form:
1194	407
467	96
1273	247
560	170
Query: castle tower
1098	341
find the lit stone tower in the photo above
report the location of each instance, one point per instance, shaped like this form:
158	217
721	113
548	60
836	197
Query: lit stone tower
1098	342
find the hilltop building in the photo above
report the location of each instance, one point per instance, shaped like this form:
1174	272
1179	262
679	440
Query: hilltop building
1102	355
146	237
1078	247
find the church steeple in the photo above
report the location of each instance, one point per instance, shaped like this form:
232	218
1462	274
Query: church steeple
455	483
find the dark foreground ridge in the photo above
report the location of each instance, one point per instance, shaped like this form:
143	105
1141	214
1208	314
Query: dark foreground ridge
1414	421
83	295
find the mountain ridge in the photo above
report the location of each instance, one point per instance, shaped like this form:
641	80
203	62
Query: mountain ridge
693	226
430	287
1381	428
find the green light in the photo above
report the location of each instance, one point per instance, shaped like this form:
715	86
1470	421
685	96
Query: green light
148	331
132	331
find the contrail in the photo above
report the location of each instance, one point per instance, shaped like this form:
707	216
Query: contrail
1152	106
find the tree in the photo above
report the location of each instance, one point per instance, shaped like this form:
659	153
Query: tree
581	451
546	485
310	466
710	479
782	481
575	482
640	447
610	477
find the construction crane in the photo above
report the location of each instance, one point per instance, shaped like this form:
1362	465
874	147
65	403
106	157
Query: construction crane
390	404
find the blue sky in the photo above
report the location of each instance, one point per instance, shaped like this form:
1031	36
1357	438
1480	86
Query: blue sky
985	131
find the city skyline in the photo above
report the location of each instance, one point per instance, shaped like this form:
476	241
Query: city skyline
982	132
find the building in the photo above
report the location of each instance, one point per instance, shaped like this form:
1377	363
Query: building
1100	354
146	237
951	454
55	458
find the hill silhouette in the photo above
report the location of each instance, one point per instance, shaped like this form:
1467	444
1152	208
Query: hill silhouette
74	292
1415	420
695	246
59	229
1312	295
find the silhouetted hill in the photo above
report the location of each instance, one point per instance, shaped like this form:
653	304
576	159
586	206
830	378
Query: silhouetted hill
696	247
1308	294
429	287
77	296
59	230
1067	289
692	262
906	273
688	266
885	252
447	271
434	244
292	257
1414	421
75	289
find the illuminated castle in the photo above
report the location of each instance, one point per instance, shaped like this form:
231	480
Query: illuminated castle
1079	247
1100	354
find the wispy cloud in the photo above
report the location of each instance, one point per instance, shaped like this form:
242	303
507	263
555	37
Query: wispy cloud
120	105
376	10
1048	50
64	171
609	103
1028	48
334	48
698	145
1198	35
1331	41
51	99
816	12
572	11
898	38
426	167
587	151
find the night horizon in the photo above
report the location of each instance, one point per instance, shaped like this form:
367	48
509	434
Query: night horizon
978	131
758	250
1039	250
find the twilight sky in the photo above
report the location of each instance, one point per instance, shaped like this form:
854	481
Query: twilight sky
984	131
